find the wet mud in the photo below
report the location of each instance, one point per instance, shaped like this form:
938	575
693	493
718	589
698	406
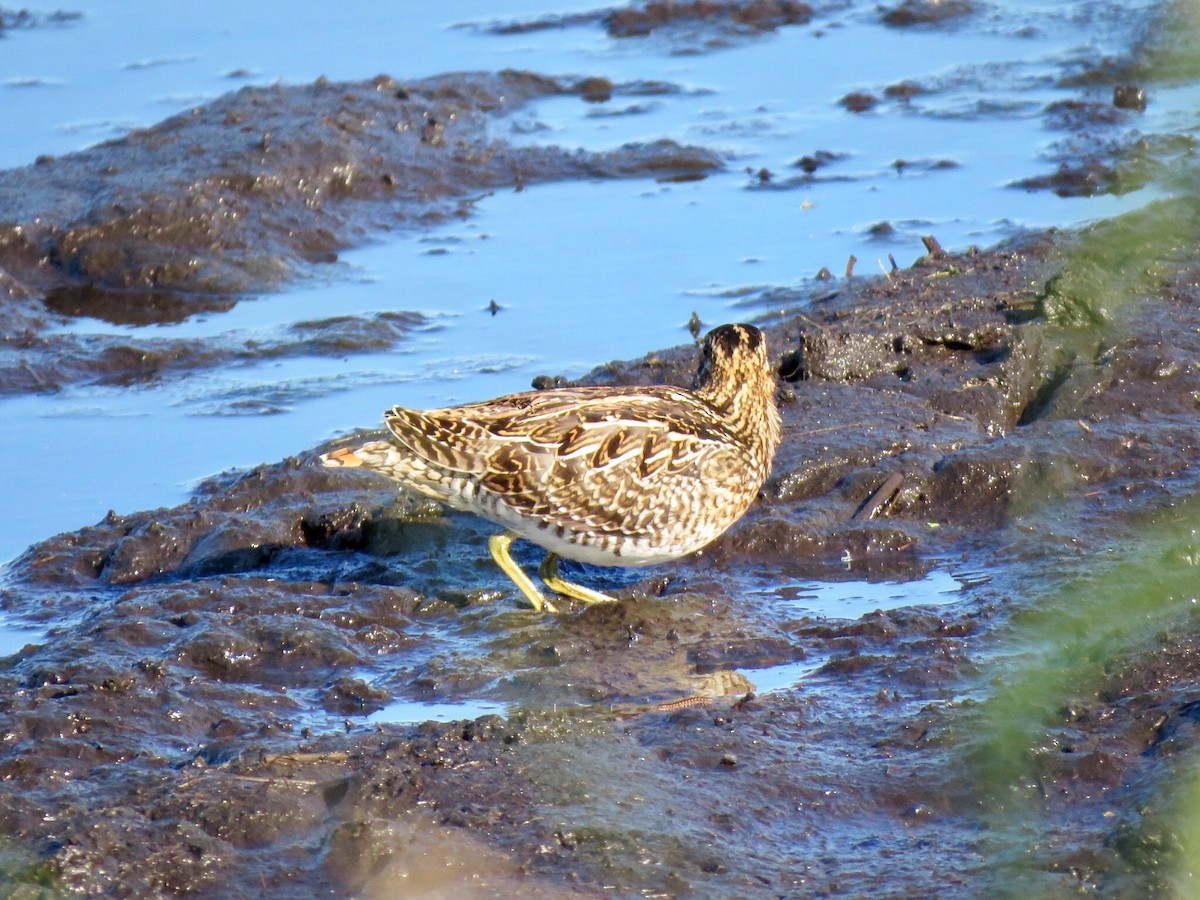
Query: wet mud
1106	148
230	690
14	19
718	20
201	713
926	12
243	194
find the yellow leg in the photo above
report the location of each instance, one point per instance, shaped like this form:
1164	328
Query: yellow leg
498	545
548	572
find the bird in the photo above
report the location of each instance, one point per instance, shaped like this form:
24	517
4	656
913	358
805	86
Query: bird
610	476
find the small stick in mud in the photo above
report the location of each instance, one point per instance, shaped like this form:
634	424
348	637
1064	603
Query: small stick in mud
850	265
883	494
811	431
933	246
684	703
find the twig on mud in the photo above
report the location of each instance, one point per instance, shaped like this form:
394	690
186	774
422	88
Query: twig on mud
684	703
278	779
882	495
338	756
633	710
933	246
253	779
809	320
813	431
850	265
29	370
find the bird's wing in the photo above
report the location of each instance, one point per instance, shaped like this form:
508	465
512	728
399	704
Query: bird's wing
574	456
462	437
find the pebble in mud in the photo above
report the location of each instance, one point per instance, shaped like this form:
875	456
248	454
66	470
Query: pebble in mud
859	101
1129	96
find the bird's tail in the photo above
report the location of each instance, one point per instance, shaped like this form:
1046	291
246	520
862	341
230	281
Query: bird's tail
343	458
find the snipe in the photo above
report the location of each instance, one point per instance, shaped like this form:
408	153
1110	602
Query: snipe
626	476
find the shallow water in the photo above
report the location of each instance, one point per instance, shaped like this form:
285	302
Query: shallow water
14	637
818	599
409	711
584	272
854	599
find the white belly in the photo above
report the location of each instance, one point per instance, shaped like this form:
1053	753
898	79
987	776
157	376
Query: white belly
598	550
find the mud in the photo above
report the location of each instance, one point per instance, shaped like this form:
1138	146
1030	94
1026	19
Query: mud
50	362
1107	149
238	196
200	714
11	19
926	12
717	19
210	708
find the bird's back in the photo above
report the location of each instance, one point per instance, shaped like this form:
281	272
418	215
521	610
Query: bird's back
627	476
614	476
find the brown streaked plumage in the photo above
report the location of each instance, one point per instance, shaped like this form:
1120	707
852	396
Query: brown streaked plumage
627	476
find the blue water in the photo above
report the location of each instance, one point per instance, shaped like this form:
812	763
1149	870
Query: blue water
585	272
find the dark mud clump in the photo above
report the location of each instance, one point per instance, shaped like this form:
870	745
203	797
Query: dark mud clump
1086	179
759	15
717	17
1098	158
11	19
50	362
234	197
230	196
212	702
1109	148
927	12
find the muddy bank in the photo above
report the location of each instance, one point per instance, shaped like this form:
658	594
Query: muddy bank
709	24
15	19
238	196
234	197
211	707
230	690
715	19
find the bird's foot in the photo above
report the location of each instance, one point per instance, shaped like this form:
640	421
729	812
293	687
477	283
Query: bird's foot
548	572
498	545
